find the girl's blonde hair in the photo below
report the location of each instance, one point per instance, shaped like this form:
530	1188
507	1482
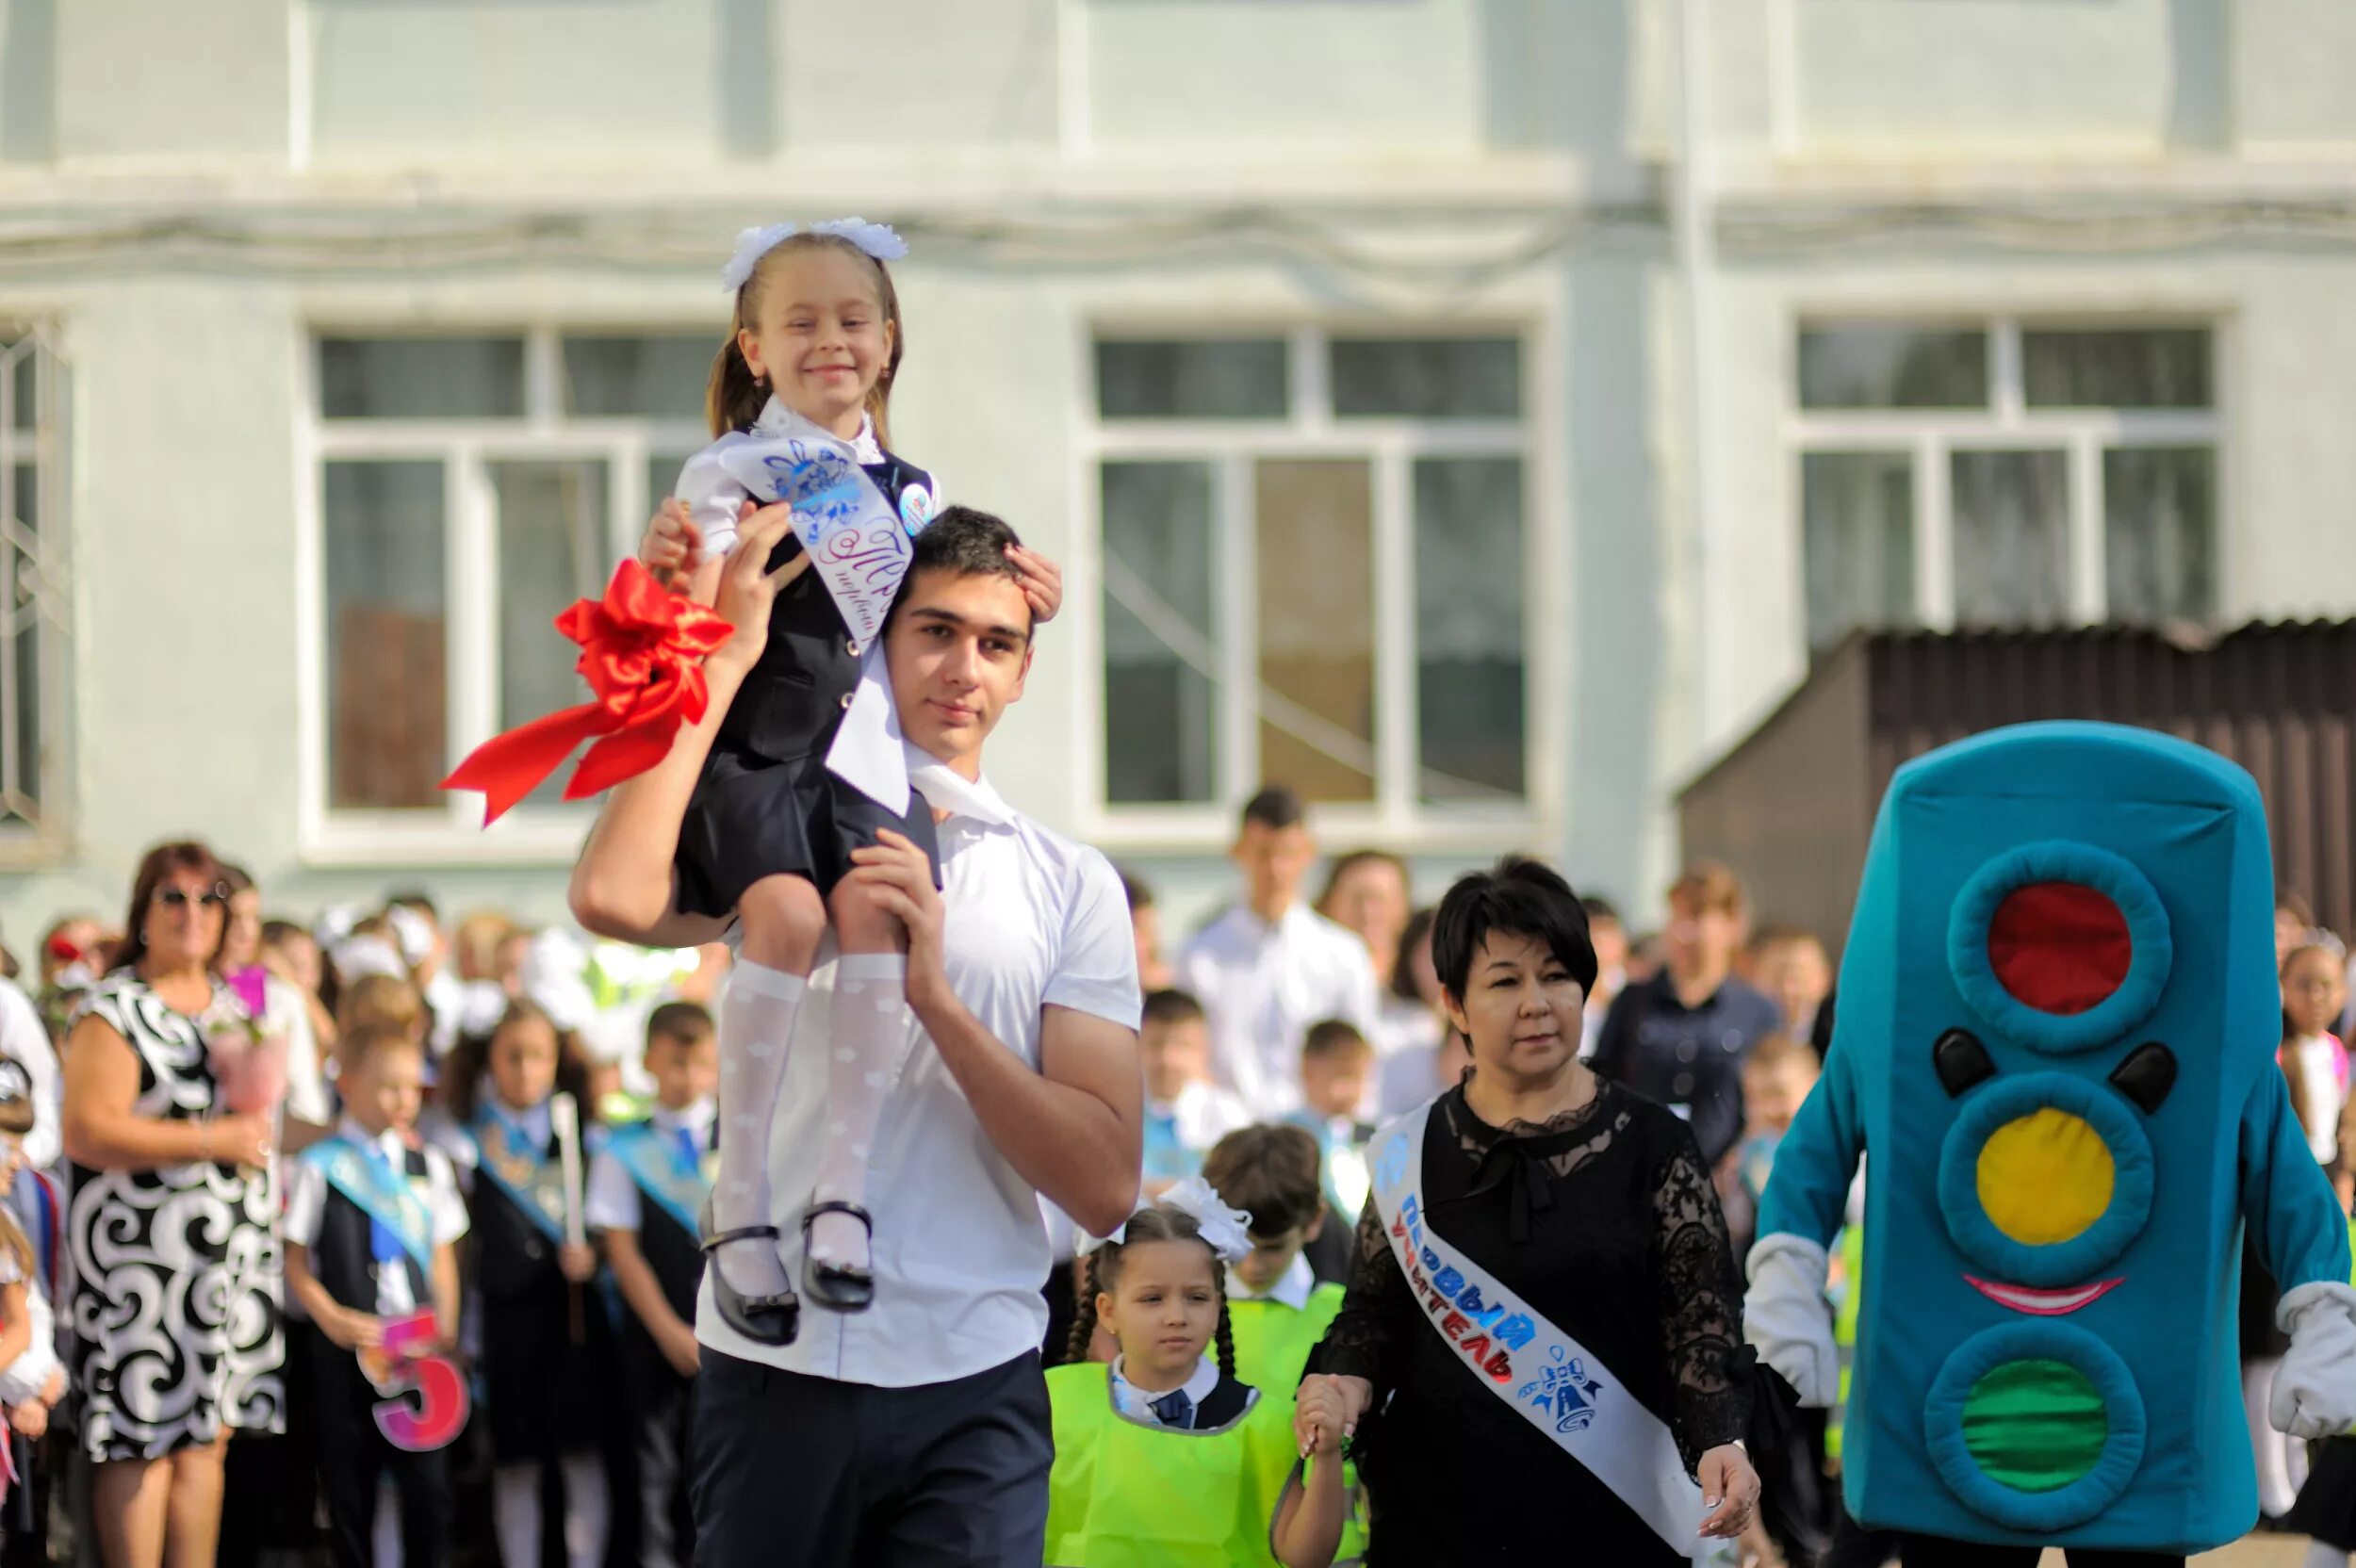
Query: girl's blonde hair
381	999
734	398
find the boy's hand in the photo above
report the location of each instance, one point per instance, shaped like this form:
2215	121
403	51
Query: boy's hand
54	1390
673	545
579	1262
900	879
352	1331
679	1346
32	1418
1043	582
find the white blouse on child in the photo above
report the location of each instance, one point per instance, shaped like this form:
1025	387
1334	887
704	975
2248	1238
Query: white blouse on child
1160	1409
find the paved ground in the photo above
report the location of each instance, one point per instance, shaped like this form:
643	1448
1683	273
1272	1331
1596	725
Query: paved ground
2259	1551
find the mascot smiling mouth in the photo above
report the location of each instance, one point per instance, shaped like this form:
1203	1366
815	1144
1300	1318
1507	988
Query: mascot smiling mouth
2044	1303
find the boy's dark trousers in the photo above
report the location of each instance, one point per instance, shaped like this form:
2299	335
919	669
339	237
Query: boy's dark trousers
352	1455
661	1404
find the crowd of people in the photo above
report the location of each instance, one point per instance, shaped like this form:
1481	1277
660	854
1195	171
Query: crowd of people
187	1308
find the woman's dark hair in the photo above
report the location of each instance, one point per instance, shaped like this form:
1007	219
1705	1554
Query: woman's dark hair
1520	898
733	399
1158	1223
1403	966
186	855
470	1062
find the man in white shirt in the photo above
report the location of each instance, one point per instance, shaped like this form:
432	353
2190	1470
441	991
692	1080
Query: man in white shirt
1271	966
917	1431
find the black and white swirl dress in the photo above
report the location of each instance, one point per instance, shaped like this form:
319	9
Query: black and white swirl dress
178	1271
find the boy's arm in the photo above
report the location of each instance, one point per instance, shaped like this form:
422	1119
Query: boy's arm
644	1293
342	1325
445	1293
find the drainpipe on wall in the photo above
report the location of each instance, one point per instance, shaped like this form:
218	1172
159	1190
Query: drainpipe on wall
1693	243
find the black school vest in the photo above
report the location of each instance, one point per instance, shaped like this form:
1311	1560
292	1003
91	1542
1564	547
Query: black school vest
344	1258
514	1259
794	697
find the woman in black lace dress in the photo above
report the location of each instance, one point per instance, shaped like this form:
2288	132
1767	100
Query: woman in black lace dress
1591	1205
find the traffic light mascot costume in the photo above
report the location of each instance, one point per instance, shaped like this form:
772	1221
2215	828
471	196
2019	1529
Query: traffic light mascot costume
2056	1035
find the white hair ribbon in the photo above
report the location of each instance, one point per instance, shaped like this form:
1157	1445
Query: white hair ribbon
875	239
1227	1232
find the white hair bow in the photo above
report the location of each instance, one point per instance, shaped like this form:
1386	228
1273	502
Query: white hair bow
1226	1231
876	239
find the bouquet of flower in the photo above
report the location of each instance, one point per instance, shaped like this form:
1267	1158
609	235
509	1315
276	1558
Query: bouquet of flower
247	1061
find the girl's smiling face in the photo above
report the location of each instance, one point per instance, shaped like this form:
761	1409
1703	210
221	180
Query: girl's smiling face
1163	1308
819	335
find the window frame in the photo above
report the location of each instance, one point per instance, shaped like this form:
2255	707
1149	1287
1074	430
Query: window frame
1310	428
532	834
1929	437
46	838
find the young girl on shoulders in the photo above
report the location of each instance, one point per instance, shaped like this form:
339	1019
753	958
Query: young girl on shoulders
1163	1458
799	400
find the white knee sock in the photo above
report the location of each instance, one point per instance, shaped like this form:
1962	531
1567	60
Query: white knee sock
587	1511
756	1023
515	1513
385	1540
870	1027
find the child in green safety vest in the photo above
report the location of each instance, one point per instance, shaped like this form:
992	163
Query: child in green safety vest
1272	1173
1165	1458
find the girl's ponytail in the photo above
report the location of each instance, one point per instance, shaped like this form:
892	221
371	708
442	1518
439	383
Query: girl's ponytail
732	398
1075	1350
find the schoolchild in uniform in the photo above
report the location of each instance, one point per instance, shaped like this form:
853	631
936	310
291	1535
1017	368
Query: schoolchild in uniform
1164	1458
646	1187
373	1218
546	1345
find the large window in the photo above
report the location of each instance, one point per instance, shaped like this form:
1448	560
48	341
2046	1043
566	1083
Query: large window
1313	573
34	605
2003	473
470	488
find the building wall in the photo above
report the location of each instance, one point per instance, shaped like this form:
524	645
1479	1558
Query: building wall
189	211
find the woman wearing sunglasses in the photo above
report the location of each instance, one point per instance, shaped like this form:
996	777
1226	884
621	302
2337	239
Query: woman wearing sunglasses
173	1230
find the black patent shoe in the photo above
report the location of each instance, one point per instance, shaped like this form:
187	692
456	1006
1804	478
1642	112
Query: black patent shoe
836	1286
771	1320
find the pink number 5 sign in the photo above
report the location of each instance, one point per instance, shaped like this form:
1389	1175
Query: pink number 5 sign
440	1413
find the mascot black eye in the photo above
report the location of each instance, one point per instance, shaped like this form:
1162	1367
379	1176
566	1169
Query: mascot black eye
1961	1061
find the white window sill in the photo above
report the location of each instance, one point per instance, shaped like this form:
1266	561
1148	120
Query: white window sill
527	839
1182	830
25	848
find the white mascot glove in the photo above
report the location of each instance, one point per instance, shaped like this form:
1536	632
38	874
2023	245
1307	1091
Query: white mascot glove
1788	1317
2315	1391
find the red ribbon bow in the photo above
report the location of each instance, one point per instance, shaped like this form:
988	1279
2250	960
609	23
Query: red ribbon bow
641	651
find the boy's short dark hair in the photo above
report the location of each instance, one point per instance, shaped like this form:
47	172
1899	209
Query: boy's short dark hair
1276	806
358	1044
1273	1172
1599	907
1333	1037
415	898
1526	898
276	933
1136	889
1781	935
1172	1006
963	542
686	1022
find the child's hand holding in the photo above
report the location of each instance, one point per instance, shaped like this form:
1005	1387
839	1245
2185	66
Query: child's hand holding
352	1329
1326	1411
54	1390
1043	582
32	1418
579	1264
673	547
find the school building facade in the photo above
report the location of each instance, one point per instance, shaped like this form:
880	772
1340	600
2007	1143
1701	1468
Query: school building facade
1472	412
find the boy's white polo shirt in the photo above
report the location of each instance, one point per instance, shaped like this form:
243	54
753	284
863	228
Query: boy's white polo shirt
1031	920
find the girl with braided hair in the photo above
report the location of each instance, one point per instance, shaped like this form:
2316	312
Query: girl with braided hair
1163	1458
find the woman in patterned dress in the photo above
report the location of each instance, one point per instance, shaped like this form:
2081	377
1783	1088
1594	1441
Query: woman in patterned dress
173	1229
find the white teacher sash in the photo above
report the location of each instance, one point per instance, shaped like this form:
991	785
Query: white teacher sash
1554	1383
859	547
